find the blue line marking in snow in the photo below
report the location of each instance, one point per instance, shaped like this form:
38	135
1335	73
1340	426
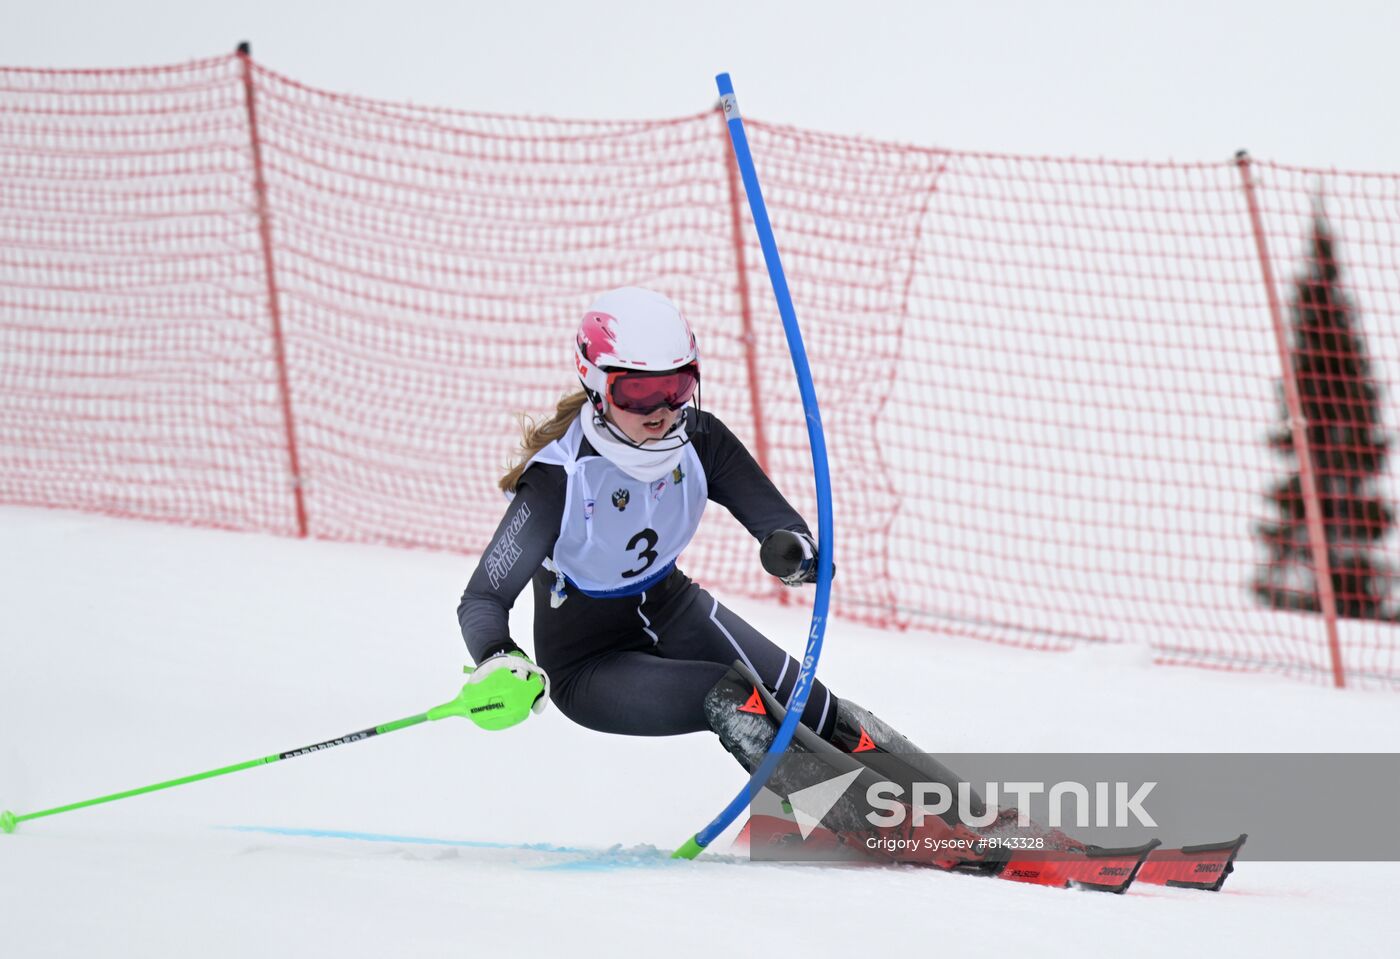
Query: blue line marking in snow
410	840
590	860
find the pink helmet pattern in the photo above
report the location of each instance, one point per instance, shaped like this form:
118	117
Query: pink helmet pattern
630	328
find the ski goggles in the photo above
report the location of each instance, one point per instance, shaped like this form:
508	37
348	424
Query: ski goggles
639	391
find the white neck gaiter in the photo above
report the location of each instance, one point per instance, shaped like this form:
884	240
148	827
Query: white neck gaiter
641	464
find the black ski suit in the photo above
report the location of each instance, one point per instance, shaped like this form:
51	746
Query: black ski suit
639	665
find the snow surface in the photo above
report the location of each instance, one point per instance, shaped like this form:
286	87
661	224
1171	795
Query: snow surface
134	653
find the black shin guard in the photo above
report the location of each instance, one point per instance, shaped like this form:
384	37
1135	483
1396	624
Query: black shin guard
867	737
745	716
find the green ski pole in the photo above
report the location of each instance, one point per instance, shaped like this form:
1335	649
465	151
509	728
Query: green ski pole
457	707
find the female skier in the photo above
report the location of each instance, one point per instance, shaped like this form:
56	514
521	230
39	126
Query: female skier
605	495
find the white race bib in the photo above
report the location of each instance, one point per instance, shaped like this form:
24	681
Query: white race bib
620	535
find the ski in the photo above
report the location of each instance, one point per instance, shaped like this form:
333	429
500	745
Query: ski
1204	866
1095	868
1089	867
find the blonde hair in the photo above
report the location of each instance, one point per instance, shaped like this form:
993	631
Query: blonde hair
537	434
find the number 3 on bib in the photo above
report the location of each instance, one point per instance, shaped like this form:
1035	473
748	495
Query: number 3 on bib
644	540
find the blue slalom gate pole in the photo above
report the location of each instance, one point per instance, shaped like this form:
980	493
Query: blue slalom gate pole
820	472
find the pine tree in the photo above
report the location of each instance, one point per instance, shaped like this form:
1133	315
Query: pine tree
1341	405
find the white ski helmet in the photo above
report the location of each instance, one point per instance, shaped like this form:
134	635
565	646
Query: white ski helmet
635	329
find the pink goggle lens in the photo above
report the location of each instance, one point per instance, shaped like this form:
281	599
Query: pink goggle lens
639	392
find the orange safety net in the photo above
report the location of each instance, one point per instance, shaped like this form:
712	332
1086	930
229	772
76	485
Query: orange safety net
1053	390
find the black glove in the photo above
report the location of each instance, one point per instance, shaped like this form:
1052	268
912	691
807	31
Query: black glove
790	556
